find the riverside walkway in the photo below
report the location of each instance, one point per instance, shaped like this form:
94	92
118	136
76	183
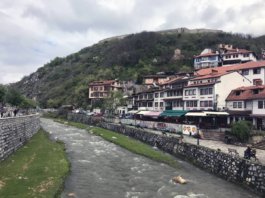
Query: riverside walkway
213	144
100	169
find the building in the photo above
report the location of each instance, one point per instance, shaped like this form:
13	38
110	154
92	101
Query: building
235	56
254	71
172	93
102	89
207	59
247	103
225	55
156	80
209	92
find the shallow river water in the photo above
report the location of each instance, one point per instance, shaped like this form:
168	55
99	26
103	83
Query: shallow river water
100	169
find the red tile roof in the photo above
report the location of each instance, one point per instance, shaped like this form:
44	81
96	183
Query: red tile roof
211	75
206	54
246	93
173	80
103	82
228	68
238	51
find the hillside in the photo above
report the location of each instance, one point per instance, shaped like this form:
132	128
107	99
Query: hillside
129	57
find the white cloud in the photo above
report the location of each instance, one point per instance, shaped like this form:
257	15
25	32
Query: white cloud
35	31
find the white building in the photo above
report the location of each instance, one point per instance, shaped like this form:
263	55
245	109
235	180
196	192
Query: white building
254	71
233	56
207	59
225	55
209	92
247	103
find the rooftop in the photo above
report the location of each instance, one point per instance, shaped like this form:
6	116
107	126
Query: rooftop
247	93
229	68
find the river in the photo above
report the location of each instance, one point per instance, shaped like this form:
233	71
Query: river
100	169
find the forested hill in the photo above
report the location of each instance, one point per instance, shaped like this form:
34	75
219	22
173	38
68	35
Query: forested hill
65	80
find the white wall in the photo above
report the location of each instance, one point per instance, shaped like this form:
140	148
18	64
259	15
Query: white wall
255	108
251	76
227	83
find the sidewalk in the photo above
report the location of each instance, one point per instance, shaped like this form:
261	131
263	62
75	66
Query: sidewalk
214	145
224	147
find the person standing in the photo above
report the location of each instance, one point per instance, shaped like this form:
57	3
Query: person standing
15	112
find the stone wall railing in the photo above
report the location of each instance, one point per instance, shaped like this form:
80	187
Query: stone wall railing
15	131
231	168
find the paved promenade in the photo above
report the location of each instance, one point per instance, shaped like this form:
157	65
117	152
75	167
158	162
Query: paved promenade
224	147
216	145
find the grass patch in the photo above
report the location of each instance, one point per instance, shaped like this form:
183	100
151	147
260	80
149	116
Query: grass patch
38	169
128	143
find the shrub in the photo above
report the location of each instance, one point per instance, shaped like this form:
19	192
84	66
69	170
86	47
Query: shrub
241	130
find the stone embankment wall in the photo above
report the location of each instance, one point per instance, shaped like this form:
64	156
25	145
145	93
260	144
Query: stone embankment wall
231	168
15	131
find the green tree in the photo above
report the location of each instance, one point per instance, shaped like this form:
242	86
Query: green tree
27	103
241	130
13	97
2	94
113	101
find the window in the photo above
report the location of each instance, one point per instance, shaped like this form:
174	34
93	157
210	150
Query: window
161	104
237	105
256	71
149	104
150	96
246	55
156	104
245	72
190	92
156	95
237	93
161	94
257	82
191	103
260	104
206	103
255	91
206	91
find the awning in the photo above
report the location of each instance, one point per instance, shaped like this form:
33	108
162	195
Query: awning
195	114
133	111
173	113
216	113
207	113
142	112
153	113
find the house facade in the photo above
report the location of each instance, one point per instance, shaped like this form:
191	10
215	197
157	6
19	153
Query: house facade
207	59
253	71
173	93
102	89
225	55
209	92
156	80
248	103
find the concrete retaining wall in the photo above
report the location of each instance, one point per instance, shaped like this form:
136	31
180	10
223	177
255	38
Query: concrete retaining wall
15	131
231	168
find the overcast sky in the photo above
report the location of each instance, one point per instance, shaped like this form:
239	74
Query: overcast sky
32	32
